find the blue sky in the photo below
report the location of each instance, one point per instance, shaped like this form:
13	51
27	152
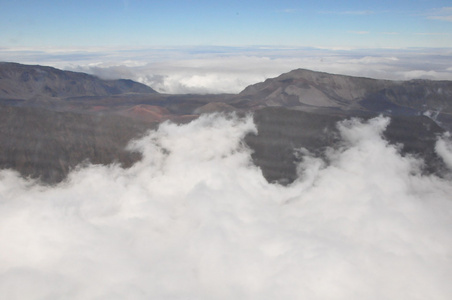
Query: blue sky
135	23
206	46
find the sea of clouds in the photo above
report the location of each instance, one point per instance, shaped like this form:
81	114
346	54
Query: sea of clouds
181	70
195	219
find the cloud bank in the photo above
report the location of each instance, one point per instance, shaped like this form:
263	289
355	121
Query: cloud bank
195	219
231	69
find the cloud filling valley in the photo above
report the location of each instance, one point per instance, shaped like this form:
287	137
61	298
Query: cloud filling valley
196	219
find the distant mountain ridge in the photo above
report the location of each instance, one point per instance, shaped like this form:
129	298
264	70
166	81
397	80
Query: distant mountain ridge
299	89
30	82
69	118
304	88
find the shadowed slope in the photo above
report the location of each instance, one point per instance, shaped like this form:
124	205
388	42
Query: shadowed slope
282	133
84	118
44	144
39	82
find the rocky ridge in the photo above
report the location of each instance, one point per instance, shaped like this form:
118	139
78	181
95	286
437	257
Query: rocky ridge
23	82
305	89
53	120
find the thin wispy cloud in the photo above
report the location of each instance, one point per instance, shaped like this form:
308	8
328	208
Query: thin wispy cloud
185	24
431	33
349	12
442	14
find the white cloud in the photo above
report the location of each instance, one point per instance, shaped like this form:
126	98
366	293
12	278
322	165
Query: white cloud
444	149
432	33
358	32
230	69
442	18
195	219
441	14
374	60
221	74
350	12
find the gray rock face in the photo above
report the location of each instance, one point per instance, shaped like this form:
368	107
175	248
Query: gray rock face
82	118
46	144
281	131
304	89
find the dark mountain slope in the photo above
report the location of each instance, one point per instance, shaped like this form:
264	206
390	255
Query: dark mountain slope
46	144
282	131
298	109
27	82
304	89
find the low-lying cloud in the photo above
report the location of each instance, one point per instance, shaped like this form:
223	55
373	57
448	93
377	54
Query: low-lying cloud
231	69
195	219
233	73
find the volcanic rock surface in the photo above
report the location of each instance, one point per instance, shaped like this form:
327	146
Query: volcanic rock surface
282	133
53	120
23	82
45	144
304	89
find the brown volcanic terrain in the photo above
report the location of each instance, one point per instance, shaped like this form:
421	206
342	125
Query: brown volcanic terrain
53	120
148	113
